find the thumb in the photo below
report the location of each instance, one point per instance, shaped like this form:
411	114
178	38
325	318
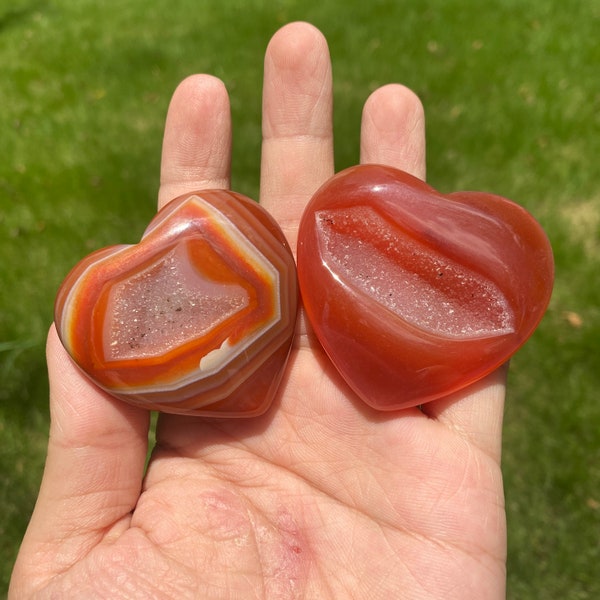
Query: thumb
93	473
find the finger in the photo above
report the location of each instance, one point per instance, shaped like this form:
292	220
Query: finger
476	413
197	142
93	473
393	130
393	133
297	152
297	149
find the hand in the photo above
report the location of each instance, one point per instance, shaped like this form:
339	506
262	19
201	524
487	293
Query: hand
319	498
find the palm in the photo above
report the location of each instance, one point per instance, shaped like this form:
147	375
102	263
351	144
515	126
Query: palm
326	500
321	497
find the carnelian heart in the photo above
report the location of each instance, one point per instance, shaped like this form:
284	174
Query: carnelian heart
198	318
414	294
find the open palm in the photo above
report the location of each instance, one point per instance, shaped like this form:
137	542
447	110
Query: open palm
321	497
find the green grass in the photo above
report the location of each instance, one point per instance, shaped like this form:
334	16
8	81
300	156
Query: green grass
512	94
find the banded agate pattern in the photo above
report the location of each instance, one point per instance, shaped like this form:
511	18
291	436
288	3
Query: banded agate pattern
198	318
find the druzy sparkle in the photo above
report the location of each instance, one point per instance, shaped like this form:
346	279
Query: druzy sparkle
197	318
414	294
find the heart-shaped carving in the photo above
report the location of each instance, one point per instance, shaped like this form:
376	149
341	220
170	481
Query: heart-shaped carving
198	318
414	294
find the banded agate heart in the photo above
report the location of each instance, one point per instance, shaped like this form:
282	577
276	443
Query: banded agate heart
414	294
197	318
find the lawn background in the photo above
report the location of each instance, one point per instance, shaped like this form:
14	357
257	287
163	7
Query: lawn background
512	96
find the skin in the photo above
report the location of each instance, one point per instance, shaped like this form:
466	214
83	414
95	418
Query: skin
321	497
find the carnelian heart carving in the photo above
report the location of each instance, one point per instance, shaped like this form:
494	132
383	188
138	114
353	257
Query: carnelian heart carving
414	294
198	318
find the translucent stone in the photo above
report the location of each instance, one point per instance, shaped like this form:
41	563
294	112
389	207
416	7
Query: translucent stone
415	294
198	318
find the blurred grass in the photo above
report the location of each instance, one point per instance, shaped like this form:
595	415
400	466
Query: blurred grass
512	95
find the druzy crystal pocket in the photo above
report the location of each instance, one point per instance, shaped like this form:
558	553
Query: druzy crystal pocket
197	318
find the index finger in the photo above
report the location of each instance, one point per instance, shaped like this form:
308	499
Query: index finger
197	142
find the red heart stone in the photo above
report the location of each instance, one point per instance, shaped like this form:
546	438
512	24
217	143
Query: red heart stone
414	294
198	318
